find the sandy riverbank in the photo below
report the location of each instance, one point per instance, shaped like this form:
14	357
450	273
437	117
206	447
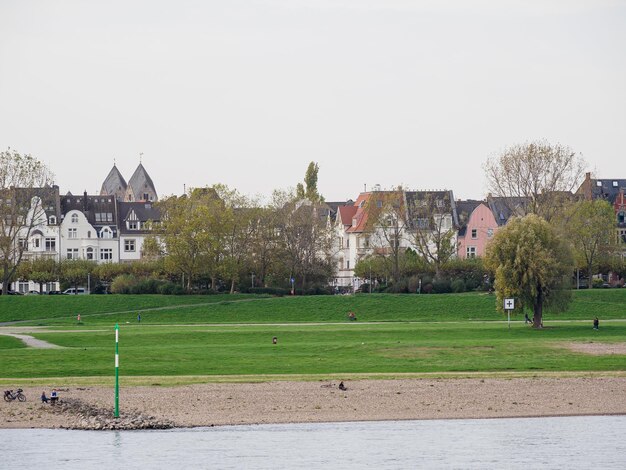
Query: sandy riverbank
288	402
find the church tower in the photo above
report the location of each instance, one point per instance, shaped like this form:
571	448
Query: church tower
114	185
140	187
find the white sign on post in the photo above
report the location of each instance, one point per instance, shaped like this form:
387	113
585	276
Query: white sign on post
509	304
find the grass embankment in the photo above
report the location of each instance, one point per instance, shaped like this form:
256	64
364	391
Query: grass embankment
106	310
421	334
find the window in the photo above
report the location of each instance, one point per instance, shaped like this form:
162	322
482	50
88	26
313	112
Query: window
620	218
474	233
615	184
422	222
74	218
98	217
439	203
379	204
109	217
36	242
106	254
348	243
51	244
72	253
599	183
489	232
471	252
89	253
106	233
52	220
348	264
72	233
132	225
129	245
145	196
23	243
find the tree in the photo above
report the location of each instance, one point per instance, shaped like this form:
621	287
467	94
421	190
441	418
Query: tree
433	233
386	225
541	174
40	270
590	227
21	176
531	263
74	272
310	180
305	239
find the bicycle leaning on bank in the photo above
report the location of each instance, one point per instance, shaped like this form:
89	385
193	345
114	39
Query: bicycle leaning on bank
9	395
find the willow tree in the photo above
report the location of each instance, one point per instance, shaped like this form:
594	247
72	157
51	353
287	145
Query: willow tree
532	264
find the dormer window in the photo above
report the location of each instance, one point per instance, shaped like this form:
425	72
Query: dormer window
74	218
599	183
52	220
615	184
132	225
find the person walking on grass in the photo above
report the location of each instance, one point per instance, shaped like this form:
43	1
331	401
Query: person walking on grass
139	318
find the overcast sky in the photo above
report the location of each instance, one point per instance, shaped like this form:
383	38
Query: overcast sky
247	93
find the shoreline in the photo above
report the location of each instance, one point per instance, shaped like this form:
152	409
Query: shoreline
279	402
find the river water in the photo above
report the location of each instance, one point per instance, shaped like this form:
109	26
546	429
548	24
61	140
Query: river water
588	442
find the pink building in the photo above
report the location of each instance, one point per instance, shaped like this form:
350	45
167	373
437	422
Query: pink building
474	236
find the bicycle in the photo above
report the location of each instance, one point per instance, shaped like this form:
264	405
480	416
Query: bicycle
10	396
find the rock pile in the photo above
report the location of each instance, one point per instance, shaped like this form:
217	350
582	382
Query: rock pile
88	417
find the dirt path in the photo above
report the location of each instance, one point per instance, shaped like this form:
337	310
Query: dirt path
31	342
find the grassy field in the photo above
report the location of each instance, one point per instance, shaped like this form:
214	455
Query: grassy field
219	336
156	309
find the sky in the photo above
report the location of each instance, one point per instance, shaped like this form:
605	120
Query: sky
247	93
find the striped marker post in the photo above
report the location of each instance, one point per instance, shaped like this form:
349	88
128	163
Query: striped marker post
117	372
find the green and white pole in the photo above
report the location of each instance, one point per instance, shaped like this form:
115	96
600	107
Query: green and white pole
117	371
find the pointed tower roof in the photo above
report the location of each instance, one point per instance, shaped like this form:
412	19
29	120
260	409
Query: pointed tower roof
114	184
140	186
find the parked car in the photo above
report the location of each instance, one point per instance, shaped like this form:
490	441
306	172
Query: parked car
55	292
33	292
73	291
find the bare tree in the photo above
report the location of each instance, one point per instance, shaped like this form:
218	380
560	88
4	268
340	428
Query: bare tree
21	210
542	174
432	226
387	224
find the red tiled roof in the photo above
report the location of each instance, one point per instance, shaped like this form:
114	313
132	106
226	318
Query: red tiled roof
360	217
346	213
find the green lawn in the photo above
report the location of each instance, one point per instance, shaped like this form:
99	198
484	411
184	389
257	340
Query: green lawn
156	309
232	336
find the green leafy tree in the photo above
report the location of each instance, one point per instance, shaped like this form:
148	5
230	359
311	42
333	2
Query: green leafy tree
40	270
186	231
532	264
75	272
590	227
309	189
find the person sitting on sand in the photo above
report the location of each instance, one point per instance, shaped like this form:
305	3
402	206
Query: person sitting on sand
342	386
44	398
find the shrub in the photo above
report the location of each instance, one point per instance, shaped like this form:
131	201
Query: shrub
277	291
123	284
442	286
457	286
